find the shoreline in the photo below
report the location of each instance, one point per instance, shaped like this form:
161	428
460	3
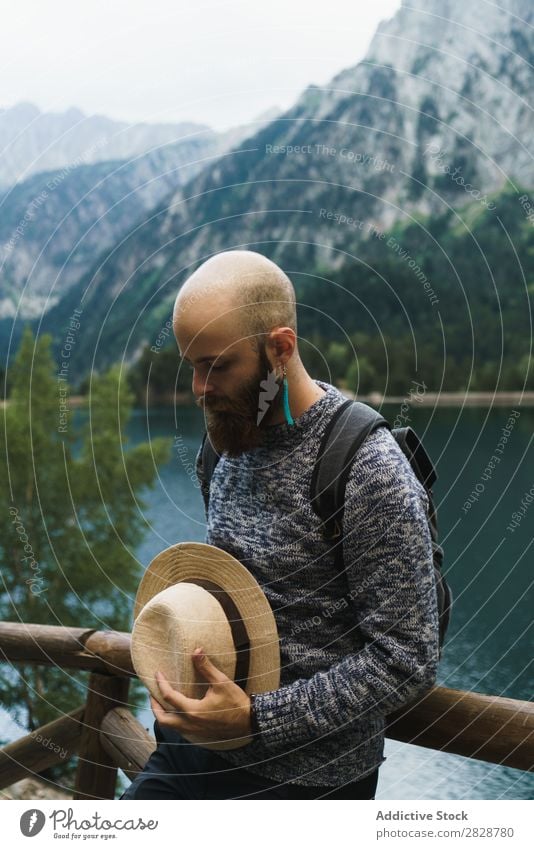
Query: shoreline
429	399
450	399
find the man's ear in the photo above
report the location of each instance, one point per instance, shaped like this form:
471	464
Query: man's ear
281	343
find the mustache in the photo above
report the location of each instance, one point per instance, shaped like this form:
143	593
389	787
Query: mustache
238	406
209	403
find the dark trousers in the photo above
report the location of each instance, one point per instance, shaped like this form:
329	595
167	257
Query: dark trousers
179	770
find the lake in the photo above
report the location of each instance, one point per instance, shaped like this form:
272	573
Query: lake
488	563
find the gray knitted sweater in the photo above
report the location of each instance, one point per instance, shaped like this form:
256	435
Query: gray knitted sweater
354	646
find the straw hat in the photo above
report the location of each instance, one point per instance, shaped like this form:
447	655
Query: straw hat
194	594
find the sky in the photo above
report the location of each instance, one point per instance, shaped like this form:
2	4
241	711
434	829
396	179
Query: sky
217	62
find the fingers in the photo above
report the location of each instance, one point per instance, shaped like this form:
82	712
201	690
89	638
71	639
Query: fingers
185	714
220	714
173	697
158	709
175	716
208	670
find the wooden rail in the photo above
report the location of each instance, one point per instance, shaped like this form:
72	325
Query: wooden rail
106	736
49	745
475	725
74	648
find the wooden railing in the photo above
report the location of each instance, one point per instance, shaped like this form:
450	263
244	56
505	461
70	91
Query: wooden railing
105	735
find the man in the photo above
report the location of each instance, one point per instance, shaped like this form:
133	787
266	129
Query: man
355	645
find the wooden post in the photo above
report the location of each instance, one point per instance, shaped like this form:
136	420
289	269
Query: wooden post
126	741
96	774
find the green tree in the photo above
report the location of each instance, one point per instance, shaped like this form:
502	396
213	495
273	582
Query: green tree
338	357
158	373
69	525
361	377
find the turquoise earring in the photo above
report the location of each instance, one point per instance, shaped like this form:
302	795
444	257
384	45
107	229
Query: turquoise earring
285	399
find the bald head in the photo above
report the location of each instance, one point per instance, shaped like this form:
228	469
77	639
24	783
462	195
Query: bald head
251	291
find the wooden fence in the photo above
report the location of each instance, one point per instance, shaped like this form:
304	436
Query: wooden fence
105	735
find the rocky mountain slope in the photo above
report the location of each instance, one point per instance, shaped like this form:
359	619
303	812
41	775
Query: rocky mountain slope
54	224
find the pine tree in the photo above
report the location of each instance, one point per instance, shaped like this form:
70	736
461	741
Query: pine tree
71	517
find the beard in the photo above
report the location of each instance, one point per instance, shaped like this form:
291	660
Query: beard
233	428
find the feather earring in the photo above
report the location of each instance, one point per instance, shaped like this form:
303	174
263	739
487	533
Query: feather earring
285	399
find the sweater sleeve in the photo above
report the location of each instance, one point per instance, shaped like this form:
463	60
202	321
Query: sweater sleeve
387	552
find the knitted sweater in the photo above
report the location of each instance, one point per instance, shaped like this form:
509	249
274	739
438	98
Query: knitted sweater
354	646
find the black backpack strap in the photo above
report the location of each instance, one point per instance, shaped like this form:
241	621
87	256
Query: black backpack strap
419	459
350	424
209	459
425	472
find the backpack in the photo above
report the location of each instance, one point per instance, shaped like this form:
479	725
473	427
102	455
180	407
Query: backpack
349	426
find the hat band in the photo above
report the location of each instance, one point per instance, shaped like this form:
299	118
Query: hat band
237	627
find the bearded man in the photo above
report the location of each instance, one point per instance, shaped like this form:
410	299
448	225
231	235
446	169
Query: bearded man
355	645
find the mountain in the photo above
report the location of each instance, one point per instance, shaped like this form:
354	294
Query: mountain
442	88
54	224
437	116
32	141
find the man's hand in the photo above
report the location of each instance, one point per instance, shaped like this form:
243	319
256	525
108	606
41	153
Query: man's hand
222	714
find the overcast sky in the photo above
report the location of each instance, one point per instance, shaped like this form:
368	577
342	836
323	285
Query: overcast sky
219	62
